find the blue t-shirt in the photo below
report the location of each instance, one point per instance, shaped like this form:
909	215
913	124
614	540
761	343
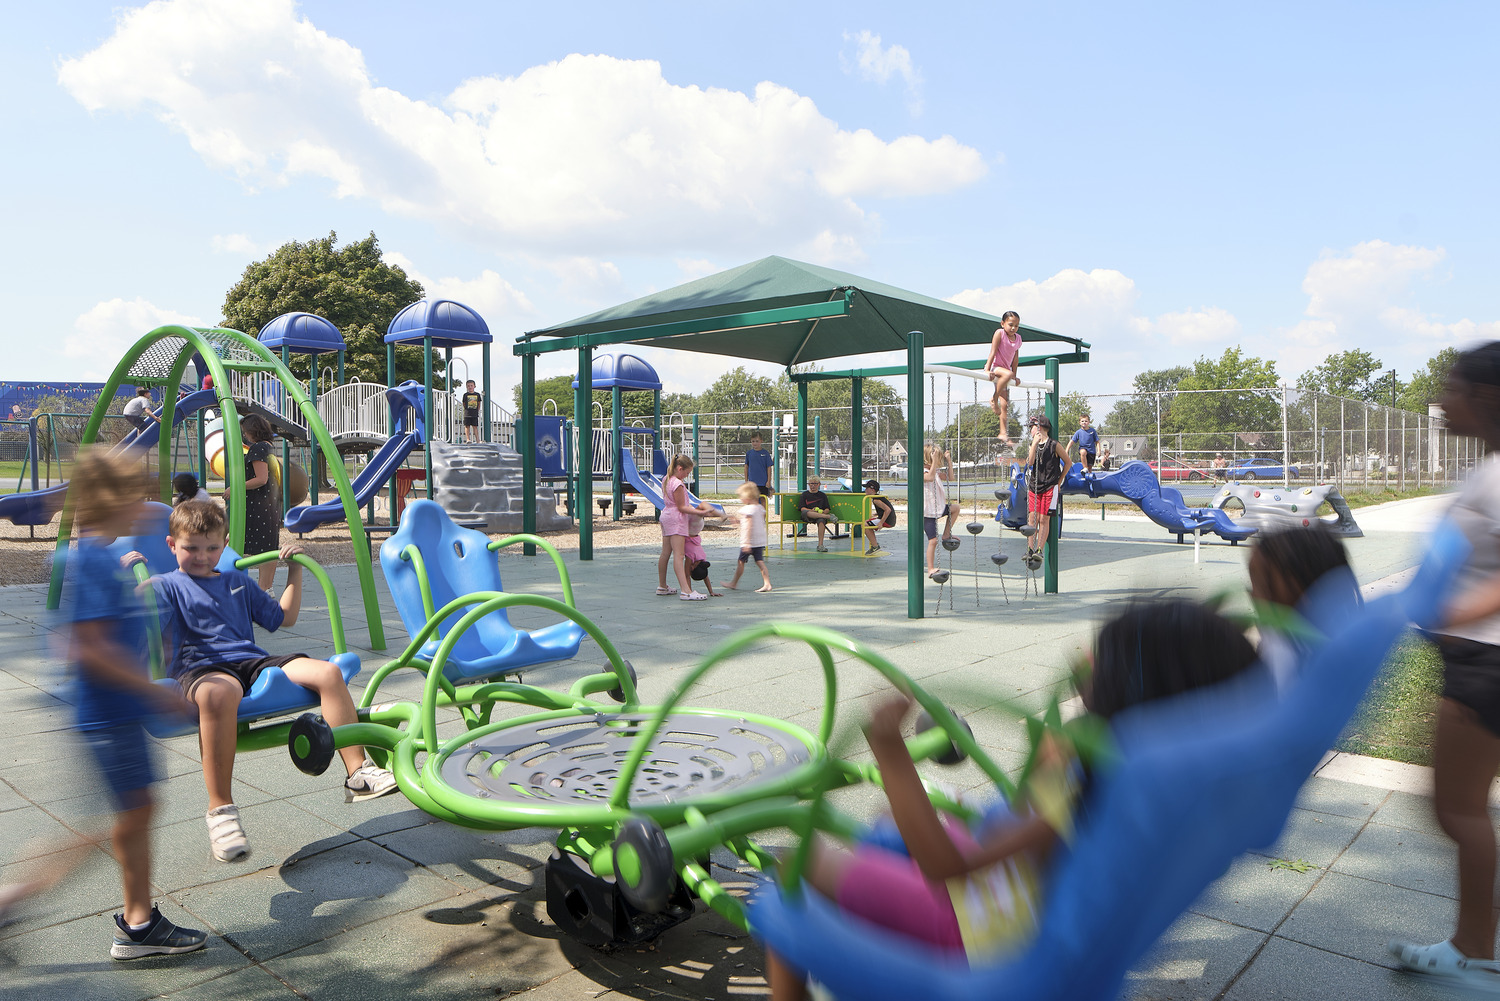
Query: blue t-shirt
758	465
98	590
211	620
1087	438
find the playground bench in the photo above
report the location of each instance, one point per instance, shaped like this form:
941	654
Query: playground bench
848	509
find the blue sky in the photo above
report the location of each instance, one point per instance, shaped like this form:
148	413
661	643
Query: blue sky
1164	180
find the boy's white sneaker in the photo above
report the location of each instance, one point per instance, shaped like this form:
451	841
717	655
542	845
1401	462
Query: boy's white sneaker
225	835
368	781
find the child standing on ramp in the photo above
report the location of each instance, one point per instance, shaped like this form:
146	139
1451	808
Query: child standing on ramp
1045	468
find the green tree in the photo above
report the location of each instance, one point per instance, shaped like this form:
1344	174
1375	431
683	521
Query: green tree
349	286
1426	385
1243	401
559	389
1071	407
739	392
1136	415
1350	374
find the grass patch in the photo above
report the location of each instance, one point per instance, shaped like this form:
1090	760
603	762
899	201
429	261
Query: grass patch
1366	498
1395	720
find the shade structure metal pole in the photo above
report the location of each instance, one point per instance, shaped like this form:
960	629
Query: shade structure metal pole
484	363
390	380
776	457
696	489
617	445
857	436
526	446
1049	557
818	445
914	513
312	441
583	401
428	408
286	457
802	435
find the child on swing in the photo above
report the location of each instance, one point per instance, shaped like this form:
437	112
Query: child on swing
1000	367
977	898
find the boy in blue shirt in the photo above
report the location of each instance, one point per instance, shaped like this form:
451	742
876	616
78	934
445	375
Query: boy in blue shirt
758	467
1087	440
211	615
112	696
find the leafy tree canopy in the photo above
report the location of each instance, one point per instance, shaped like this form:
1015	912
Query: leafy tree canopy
1426	385
559	389
350	286
1246	402
1136	415
1351	374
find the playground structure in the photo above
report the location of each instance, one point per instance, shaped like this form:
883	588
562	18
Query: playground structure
1270	505
1136	482
799	313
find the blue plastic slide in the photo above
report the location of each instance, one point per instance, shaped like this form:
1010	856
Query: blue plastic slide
648	485
38	507
1135	481
376	474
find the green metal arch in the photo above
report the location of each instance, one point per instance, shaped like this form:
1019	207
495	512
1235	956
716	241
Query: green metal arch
234	472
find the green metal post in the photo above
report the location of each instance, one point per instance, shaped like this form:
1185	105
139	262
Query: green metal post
526	445
341	366
617	442
312	443
1049	558
583	413
429	408
915	406
286	452
776	459
817	462
695	454
801	436
202	456
390	380
448	388
857	437
485	420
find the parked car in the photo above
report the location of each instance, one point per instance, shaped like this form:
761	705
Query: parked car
1260	469
1173	469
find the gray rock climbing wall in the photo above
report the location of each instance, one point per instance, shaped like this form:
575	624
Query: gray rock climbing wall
481	485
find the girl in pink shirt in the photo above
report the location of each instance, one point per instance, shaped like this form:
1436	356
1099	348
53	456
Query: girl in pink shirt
675	512
1005	351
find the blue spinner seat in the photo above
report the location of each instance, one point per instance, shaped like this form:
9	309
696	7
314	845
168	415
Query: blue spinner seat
457	561
273	694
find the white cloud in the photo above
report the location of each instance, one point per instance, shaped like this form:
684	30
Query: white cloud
694	268
586	153
1086	304
240	245
103	334
879	64
1366	297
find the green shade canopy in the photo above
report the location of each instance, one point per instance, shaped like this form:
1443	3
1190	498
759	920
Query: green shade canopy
781	311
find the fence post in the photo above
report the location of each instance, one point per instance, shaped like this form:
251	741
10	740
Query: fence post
1158	430
1403	451
1286	442
696	489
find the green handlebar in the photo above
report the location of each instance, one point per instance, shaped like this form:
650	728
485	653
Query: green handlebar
335	614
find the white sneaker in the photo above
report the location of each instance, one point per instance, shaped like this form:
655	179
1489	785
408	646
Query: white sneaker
1443	961
225	835
369	781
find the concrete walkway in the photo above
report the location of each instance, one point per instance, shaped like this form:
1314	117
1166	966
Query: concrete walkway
377	900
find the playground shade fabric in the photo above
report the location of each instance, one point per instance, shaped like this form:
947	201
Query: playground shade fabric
878	319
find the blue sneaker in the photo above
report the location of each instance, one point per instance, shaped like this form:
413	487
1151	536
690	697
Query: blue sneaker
160	937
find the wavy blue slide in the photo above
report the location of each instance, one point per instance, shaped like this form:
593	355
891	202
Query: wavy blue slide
376	474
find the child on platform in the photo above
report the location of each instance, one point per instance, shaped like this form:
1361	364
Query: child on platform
752	519
1046	465
938	469
211	615
473	403
977	898
1087	440
882	515
1000	367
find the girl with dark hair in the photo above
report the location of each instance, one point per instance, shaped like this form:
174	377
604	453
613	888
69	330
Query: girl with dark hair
1466	745
977	898
1000	367
1284	566
262	500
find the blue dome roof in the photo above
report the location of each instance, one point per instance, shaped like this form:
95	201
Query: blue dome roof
302	333
450	324
624	371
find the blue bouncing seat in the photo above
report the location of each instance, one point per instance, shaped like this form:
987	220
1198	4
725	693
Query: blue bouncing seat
1199	780
455	562
273	693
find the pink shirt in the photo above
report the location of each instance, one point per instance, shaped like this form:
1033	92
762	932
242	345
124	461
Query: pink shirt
1009	349
673	521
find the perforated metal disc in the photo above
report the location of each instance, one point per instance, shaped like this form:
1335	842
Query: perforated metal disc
577	759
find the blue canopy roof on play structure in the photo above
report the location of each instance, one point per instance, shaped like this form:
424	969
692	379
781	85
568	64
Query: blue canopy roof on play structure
623	371
450	325
301	333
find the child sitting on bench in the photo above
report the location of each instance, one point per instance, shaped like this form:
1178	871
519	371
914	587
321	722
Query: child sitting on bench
882	514
815	509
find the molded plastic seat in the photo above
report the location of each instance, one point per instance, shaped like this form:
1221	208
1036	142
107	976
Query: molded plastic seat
1200	779
458	561
273	694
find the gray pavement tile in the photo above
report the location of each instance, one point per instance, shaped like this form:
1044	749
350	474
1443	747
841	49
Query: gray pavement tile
277	831
1196	958
468	946
9	682
71	962
306	899
1358	917
30	831
1409	811
1403	857
250	984
1341	798
92	884
1254	895
367	819
1292	971
10	799
506	860
1314	837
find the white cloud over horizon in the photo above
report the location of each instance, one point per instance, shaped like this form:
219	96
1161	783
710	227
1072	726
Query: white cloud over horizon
103	333
581	155
879	63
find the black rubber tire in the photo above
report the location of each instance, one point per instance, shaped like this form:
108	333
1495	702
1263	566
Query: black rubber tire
1249	477
617	693
314	731
954	755
652	891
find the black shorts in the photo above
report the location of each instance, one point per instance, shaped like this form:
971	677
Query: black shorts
471	420
756	553
244	671
765	491
1088	455
1471	677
